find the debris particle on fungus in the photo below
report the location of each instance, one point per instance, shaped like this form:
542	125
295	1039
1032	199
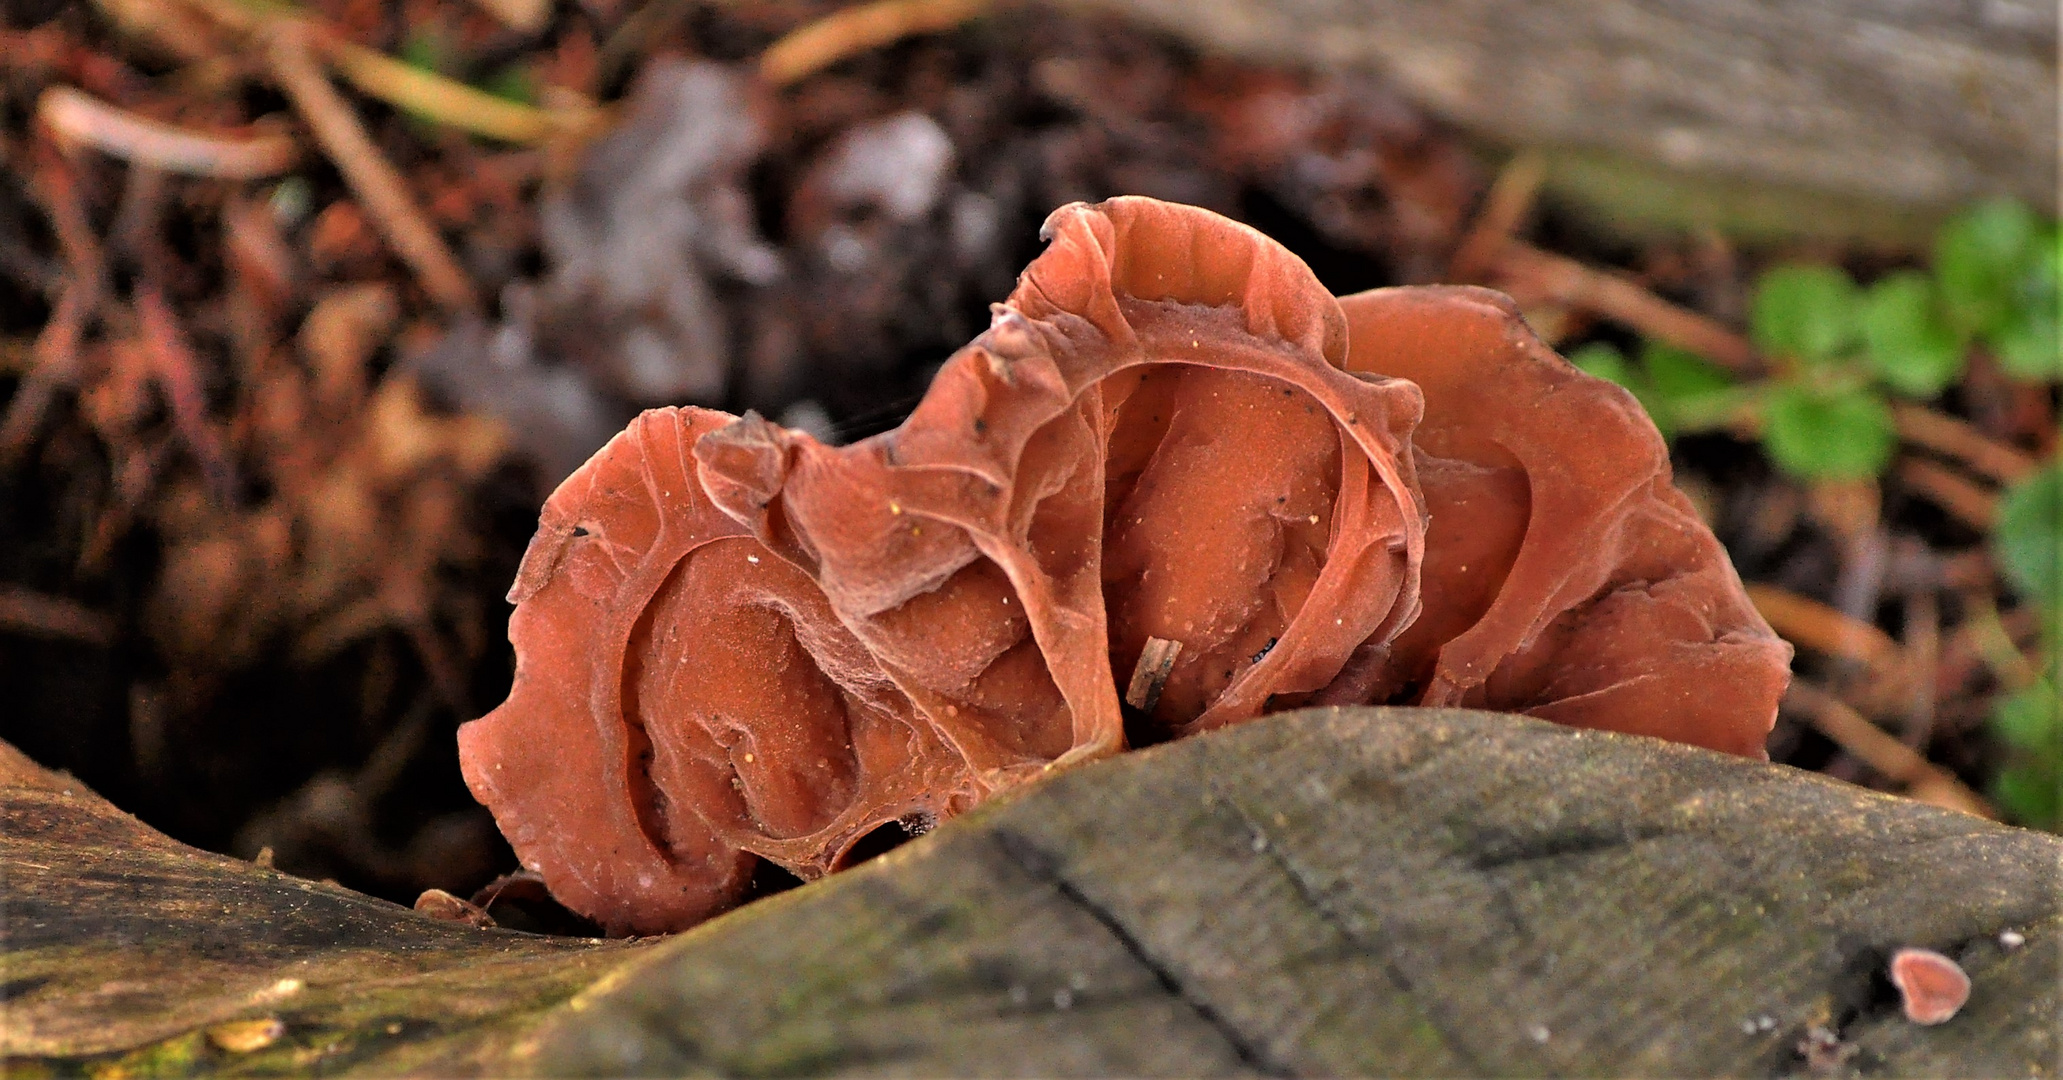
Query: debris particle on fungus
1173	456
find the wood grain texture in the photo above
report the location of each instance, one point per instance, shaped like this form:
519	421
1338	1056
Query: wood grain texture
122	946
1330	892
1360	892
1920	103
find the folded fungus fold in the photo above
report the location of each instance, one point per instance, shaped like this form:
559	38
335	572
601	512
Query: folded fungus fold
1175	485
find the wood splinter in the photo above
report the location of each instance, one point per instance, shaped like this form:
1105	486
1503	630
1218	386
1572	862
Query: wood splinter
1156	660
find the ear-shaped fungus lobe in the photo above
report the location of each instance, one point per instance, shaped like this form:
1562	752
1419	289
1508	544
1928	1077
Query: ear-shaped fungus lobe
684	701
1565	577
1259	506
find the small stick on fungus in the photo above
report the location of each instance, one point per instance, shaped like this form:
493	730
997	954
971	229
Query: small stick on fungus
1151	673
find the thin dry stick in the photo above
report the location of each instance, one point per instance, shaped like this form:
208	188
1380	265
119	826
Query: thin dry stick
25	612
1923	647
56	352
855	30
1952	491
50	366
1805	621
378	186
429	94
527	16
1510	200
1156	661
1899	763
1626	302
176	371
77	119
1954	438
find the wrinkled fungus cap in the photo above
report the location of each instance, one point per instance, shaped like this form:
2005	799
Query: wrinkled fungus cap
1174	486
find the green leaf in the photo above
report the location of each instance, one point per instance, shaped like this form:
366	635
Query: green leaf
513	83
1689	392
1818	434
2026	339
427	48
2029	719
2028	540
1978	258
1678	373
2029	348
2031	794
1807	312
1604	360
1908	344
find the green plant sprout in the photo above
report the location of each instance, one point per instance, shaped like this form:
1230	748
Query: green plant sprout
1838	352
2028	546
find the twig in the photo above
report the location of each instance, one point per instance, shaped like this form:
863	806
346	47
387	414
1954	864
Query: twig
1804	621
1897	762
77	119
25	612
446	101
1953	438
51	364
378	186
848	33
1952	491
1510	200
527	16
176	371
1923	648
1156	661
1624	301
55	356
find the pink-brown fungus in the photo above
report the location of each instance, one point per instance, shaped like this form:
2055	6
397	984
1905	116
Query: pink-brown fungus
1175	469
1565	576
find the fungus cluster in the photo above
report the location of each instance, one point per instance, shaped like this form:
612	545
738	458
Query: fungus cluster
1176	485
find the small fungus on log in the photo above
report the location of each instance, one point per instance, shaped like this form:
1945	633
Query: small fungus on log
1174	459
1932	988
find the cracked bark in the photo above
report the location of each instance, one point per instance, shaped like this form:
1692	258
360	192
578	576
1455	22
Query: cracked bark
1039	864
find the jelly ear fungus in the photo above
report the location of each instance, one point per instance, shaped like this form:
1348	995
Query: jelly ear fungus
1175	468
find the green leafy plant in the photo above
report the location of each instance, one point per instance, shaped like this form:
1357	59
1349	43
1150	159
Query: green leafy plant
2028	546
1839	351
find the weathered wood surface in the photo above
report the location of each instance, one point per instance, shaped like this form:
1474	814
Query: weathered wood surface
123	947
1370	892
1376	891
1913	104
